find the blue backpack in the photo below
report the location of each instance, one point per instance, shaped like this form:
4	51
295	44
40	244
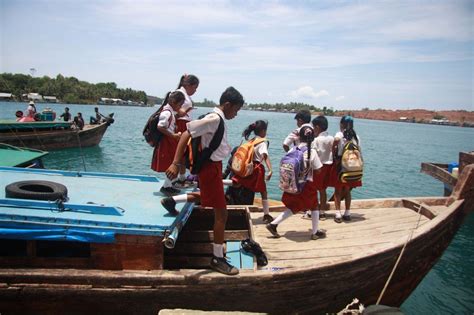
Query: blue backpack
292	171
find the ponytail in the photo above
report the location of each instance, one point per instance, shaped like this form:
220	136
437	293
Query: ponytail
165	101
256	127
307	136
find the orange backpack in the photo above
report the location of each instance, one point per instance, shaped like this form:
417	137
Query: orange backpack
242	161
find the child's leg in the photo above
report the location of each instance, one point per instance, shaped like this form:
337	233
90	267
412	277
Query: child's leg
182	171
169	203
272	226
220	219
337	204
347	200
323	197
265	206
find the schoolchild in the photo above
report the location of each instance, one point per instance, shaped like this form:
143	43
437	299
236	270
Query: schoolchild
210	175
163	153
188	85
303	118
308	198
256	181
343	190
323	145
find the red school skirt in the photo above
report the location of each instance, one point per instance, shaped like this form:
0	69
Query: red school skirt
210	185
256	181
181	125
321	179
163	155
334	178
306	200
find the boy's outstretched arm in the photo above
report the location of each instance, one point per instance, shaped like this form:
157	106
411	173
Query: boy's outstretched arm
173	170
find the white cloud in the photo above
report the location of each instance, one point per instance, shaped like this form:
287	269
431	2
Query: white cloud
340	98
307	92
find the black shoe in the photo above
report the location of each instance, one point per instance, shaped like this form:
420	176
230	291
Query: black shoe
250	246
319	234
337	219
169	204
273	229
306	215
221	265
169	191
267	218
322	216
346	217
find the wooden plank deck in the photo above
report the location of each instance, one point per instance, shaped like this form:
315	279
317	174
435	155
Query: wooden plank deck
369	231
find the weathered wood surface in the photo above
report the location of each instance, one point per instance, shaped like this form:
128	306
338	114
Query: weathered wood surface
91	135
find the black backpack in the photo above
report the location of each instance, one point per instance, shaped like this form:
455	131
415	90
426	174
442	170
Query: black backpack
195	155
151	133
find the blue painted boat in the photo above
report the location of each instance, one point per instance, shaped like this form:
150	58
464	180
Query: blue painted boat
21	157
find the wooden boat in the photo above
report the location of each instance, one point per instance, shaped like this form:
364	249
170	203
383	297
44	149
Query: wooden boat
50	135
122	266
21	157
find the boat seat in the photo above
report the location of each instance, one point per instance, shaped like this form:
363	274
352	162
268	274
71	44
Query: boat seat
415	205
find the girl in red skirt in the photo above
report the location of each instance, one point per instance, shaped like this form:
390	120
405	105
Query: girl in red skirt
256	181
308	198
343	190
188	85
163	154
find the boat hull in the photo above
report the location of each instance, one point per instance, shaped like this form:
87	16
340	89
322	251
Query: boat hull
314	290
91	135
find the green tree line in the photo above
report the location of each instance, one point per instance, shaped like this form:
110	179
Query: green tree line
66	89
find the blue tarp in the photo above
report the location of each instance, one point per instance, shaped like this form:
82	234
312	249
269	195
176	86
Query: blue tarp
57	234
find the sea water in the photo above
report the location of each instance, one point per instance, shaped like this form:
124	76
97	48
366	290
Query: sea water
393	152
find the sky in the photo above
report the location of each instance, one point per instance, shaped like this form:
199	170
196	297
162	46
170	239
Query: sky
338	54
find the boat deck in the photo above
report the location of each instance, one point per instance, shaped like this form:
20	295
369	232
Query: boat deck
370	230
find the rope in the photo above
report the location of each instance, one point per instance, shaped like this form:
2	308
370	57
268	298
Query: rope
399	257
80	148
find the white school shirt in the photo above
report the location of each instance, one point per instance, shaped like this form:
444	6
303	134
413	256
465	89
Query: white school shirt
188	103
259	150
342	142
293	138
206	128
165	121
314	161
323	145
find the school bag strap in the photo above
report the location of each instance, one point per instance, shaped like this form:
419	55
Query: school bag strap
218	135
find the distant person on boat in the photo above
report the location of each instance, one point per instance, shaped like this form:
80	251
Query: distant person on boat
303	118
31	110
78	121
98	117
308	197
256	180
66	116
163	154
323	145
210	176
188	85
343	190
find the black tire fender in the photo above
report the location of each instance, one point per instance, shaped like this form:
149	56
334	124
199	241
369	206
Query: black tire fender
36	190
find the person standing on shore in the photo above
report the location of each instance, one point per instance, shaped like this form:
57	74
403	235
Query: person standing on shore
303	118
210	175
188	85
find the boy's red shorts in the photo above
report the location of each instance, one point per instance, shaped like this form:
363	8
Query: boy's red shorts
210	185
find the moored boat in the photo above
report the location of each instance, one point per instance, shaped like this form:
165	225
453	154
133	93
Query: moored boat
50	135
118	262
21	157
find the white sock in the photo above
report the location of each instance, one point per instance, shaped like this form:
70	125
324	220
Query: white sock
265	206
347	212
282	216
182	177
315	220
218	250
227	182
338	214
181	198
167	183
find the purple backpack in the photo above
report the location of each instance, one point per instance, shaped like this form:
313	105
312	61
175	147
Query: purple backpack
292	171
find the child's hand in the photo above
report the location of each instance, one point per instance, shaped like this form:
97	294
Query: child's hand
177	135
269	175
172	171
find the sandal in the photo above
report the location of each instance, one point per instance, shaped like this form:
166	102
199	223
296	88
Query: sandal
337	220
254	248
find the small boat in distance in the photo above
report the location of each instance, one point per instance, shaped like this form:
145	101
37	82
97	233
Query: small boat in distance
51	135
21	157
105	249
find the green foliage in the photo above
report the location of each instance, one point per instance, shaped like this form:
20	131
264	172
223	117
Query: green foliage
66	89
437	116
290	107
